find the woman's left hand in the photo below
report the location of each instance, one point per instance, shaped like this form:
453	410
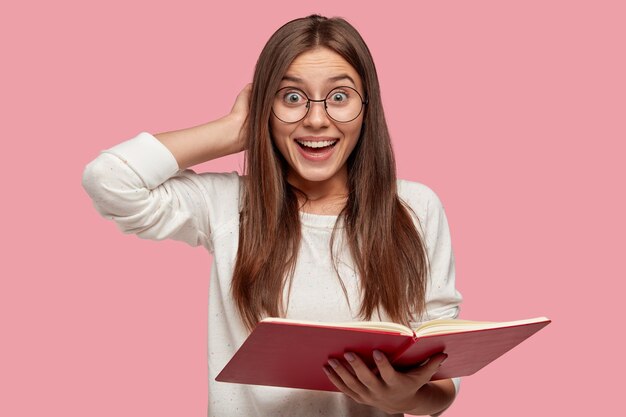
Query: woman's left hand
391	391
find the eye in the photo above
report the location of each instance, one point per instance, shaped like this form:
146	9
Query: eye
293	97
339	96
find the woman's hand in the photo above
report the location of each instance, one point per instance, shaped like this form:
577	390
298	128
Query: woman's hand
221	137
391	391
238	115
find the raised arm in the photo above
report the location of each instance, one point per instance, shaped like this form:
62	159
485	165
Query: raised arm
210	140
143	184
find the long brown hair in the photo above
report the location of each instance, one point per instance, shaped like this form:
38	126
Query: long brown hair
385	245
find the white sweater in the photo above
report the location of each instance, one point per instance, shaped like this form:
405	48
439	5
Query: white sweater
138	185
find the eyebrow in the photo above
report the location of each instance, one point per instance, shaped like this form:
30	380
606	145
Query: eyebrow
332	79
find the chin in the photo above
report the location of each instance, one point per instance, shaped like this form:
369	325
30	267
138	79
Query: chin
315	175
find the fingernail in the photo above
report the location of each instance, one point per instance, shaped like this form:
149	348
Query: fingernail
333	362
326	371
349	356
378	356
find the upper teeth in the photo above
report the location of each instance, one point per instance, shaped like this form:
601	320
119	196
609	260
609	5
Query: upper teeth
317	144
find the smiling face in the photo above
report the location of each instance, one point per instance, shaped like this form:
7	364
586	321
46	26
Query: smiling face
316	148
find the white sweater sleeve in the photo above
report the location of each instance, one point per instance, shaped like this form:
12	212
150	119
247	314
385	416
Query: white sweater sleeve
138	185
442	298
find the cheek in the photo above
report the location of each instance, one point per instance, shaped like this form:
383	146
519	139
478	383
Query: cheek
279	137
354	135
278	131
355	132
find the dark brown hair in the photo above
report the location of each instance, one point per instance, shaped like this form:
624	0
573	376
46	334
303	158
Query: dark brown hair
385	245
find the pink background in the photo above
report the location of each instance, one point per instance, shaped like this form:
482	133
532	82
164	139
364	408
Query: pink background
513	112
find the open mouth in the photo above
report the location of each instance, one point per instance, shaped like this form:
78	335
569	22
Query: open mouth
319	146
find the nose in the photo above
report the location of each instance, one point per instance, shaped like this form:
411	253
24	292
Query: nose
316	116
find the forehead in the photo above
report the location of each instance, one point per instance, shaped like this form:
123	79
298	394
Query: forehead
322	66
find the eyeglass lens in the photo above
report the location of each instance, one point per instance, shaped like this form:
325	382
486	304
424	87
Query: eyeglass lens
342	104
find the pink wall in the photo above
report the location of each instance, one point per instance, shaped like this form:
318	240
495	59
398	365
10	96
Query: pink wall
513	112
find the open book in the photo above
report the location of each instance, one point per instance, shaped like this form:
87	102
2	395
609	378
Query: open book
290	353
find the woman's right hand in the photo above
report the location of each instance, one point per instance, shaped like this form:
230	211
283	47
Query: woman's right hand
238	116
211	140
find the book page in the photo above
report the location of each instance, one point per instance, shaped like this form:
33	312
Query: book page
380	326
442	326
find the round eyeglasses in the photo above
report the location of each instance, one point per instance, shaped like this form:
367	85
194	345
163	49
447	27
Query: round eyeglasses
342	104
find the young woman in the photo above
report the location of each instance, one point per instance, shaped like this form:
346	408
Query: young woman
319	228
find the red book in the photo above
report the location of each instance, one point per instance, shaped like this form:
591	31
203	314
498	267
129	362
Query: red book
288	353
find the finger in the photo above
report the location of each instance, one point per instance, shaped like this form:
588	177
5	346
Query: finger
350	380
431	367
242	101
363	372
341	386
387	372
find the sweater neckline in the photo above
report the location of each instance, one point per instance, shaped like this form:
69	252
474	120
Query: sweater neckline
322	221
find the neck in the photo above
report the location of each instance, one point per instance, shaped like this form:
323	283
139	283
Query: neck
326	197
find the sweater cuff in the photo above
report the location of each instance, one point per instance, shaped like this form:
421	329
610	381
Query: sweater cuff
457	384
148	157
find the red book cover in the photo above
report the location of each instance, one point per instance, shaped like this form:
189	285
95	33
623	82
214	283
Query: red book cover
287	354
468	351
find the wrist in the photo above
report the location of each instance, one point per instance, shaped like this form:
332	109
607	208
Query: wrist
421	401
433	397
